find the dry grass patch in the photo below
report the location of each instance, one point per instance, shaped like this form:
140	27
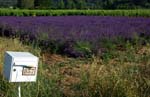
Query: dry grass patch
8	44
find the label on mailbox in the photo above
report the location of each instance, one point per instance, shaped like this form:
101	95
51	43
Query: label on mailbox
29	71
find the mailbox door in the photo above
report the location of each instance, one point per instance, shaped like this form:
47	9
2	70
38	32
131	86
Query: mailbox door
15	73
22	74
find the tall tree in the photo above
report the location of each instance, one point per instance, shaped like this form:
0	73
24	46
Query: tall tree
61	4
98	4
44	3
70	4
85	4
81	4
26	3
140	2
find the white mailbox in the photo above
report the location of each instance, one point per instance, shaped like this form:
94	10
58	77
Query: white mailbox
20	67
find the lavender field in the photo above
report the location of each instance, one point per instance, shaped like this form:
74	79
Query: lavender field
68	30
80	56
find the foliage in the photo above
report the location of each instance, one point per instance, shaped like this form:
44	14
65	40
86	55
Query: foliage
76	49
43	4
27	4
96	4
25	12
78	4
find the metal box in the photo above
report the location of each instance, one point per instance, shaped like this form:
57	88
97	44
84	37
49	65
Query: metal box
20	67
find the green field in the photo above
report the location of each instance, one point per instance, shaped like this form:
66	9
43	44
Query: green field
24	12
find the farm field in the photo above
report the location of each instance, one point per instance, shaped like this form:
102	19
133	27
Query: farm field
80	56
76	36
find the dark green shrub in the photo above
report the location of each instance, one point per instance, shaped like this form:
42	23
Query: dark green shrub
27	3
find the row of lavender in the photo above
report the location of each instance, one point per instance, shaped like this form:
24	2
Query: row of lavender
62	29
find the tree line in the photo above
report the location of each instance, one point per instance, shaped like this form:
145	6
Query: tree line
84	4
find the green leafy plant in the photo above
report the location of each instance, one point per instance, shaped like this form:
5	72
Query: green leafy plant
84	48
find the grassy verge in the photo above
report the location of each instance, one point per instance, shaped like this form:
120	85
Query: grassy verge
121	72
25	12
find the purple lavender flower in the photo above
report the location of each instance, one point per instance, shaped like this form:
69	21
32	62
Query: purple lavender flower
75	28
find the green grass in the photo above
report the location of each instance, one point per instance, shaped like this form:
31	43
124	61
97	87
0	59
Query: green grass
125	73
44	87
25	12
